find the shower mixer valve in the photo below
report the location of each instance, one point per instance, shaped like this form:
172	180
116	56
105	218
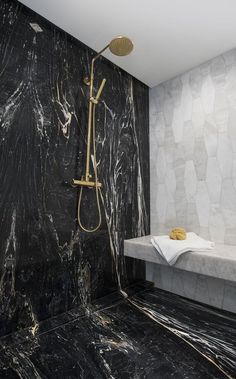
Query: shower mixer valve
85	183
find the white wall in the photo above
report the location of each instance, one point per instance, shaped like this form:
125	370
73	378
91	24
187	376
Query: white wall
193	151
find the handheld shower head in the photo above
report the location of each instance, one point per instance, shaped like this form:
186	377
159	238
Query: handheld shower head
121	46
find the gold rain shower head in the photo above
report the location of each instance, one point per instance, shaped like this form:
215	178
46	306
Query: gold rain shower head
121	46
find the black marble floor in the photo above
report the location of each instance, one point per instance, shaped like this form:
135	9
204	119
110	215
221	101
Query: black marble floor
152	334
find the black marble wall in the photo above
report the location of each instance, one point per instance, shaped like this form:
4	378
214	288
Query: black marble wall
47	265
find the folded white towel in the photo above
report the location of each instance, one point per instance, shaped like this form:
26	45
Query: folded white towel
170	249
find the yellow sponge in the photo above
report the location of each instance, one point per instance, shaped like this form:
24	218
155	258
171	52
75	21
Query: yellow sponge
178	234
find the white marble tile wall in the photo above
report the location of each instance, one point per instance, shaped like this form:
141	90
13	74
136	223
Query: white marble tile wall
193	151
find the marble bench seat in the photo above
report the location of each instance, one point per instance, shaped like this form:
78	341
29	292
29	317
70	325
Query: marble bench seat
218	263
208	277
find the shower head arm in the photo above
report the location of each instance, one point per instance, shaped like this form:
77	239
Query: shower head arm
100	52
92	68
118	46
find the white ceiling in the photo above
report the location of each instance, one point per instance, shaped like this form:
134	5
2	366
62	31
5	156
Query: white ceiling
169	36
